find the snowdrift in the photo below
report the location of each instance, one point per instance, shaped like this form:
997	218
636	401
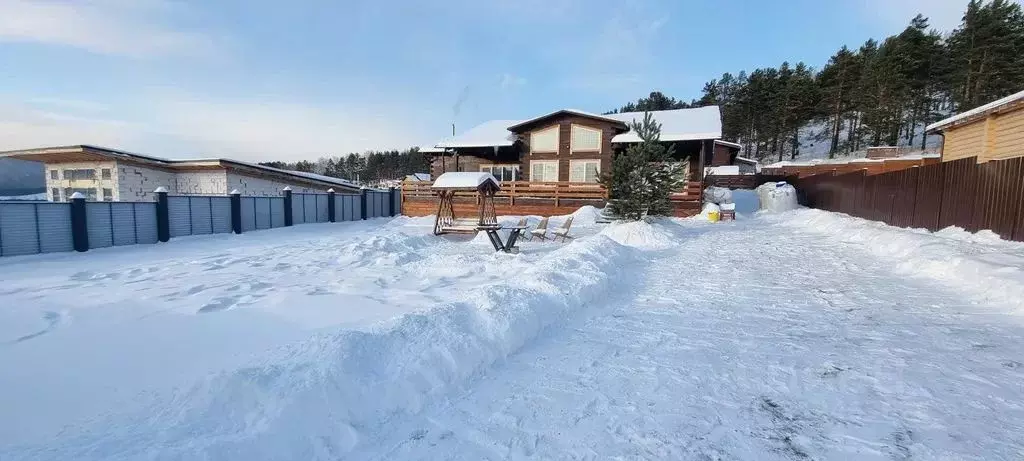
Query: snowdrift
641	235
980	263
317	399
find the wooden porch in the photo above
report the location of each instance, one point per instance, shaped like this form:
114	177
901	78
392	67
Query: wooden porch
534	198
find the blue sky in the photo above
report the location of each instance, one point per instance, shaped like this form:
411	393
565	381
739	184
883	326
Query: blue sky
259	80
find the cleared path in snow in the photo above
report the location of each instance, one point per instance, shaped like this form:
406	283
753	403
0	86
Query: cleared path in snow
760	340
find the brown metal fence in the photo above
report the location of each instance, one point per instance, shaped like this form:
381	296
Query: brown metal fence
741	181
960	193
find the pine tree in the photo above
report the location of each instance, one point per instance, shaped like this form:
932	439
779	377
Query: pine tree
643	178
986	52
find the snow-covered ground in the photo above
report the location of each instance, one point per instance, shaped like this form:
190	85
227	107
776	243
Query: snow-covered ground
35	197
801	335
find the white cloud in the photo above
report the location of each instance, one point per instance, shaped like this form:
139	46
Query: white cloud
943	15
619	55
510	81
284	131
23	126
183	127
112	27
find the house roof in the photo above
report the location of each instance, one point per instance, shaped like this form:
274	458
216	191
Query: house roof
981	110
526	123
464	180
728	144
487	134
676	125
50	154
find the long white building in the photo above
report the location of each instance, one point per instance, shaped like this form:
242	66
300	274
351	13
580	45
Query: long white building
112	175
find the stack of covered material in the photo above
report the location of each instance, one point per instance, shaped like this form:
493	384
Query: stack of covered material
777	196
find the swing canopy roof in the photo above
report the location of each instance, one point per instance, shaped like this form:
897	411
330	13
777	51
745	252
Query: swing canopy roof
466	180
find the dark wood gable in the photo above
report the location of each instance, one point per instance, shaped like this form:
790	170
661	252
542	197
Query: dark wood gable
564	121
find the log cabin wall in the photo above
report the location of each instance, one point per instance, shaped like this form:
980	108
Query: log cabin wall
565	153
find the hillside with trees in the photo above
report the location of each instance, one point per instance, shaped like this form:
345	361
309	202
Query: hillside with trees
881	93
368	168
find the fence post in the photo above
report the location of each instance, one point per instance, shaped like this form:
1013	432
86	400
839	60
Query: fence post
392	197
287	206
236	212
330	205
362	200
79	224
163	218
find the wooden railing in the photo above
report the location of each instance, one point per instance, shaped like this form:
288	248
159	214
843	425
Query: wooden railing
512	191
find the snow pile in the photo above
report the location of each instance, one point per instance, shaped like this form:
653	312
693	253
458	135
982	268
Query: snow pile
317	399
586	216
777	197
388	248
981	263
641	234
708	209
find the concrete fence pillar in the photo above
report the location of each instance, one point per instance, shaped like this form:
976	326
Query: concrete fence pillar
394	201
79	223
330	206
163	216
362	202
288	206
236	211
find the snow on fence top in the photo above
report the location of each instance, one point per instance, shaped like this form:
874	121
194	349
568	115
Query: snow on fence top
941	124
464	180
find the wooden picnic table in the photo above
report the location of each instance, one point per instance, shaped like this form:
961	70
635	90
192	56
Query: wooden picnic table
495	237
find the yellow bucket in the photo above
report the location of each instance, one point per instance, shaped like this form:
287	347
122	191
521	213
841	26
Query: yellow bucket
713	216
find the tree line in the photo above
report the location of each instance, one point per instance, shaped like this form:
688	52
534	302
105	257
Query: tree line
882	93
368	168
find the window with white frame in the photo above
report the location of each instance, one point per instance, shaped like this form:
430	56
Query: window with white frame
544	170
545	140
502	172
584	170
585	139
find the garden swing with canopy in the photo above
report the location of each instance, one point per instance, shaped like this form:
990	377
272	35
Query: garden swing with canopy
447	185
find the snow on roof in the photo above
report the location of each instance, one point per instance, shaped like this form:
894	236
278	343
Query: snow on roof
463	180
729	144
609	118
677	125
843	161
941	124
745	160
428	149
487	134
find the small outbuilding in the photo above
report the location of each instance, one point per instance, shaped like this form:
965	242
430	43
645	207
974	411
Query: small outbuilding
448	185
994	131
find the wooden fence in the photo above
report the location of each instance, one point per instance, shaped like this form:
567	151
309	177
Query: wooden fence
534	198
742	181
960	193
